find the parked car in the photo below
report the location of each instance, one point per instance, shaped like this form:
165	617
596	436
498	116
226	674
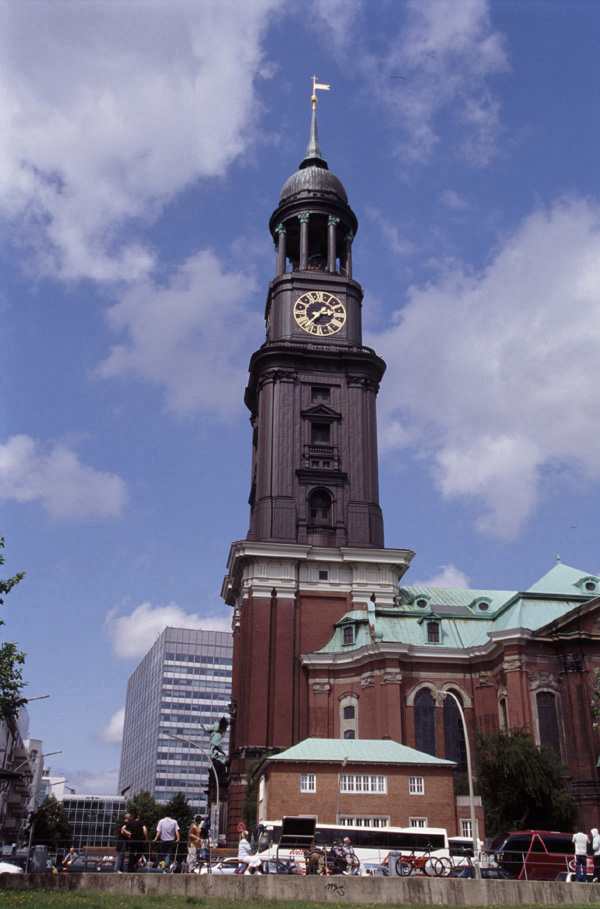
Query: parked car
272	866
10	868
490	874
371	869
568	876
536	855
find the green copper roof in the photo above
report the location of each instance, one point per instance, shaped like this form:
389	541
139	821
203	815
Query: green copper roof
357	751
466	616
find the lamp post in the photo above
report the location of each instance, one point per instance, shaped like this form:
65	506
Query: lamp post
439	692
34	818
205	753
344	762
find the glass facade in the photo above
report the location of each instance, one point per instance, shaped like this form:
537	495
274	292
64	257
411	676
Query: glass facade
182	684
93	819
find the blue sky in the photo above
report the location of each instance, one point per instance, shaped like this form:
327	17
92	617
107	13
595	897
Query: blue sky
144	148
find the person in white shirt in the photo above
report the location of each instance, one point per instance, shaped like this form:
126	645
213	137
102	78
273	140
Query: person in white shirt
167	832
581	841
596	851
246	858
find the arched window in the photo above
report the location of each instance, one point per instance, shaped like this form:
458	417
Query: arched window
425	737
454	736
548	720
348	715
320	507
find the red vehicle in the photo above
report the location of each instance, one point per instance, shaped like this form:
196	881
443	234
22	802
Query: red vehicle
536	855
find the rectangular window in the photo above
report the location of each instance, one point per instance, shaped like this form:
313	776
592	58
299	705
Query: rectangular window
319	393
465	828
416	785
319	433
433	632
308	782
359	782
417	822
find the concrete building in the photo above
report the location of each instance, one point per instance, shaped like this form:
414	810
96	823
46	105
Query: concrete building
19	760
182	684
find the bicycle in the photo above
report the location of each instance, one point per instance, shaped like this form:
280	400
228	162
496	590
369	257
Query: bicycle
424	862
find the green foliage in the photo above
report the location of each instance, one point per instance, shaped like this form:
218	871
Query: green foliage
51	825
522	785
149	809
249	805
180	809
11	659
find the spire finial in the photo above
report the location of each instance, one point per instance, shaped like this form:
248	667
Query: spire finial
313	154
317	85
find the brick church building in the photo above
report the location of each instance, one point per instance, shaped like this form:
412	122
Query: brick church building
329	640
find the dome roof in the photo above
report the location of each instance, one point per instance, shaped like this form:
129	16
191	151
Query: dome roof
313	179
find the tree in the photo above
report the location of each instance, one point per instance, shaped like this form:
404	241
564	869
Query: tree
522	785
180	809
596	698
51	825
11	659
148	808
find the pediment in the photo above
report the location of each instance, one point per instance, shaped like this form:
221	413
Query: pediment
582	619
321	412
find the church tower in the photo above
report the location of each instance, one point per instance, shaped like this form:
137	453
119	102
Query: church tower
314	550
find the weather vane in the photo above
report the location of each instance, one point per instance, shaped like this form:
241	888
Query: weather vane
317	85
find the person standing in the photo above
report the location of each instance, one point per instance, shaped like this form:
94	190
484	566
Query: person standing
137	839
194	843
596	851
581	841
167	832
123	838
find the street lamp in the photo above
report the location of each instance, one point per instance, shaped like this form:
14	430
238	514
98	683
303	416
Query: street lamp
35	816
344	762
206	754
442	694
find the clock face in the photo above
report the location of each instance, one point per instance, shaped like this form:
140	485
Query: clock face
319	313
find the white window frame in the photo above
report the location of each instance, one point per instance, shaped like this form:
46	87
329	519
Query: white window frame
363	783
416	785
308	782
417	822
465	827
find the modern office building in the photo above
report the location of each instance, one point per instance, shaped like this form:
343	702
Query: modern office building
93	819
182	685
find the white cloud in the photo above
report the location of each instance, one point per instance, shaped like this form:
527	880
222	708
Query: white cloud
55	477
109	110
192	337
133	635
85	782
493	377
112	732
449	576
444	52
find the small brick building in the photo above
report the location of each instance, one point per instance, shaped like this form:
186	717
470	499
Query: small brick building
364	782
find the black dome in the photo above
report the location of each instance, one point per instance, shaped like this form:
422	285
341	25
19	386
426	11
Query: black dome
313	179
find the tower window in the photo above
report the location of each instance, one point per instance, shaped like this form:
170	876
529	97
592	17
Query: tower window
349	713
323	575
350	734
320	433
319	393
320	507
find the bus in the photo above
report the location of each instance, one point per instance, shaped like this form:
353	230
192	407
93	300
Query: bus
372	845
